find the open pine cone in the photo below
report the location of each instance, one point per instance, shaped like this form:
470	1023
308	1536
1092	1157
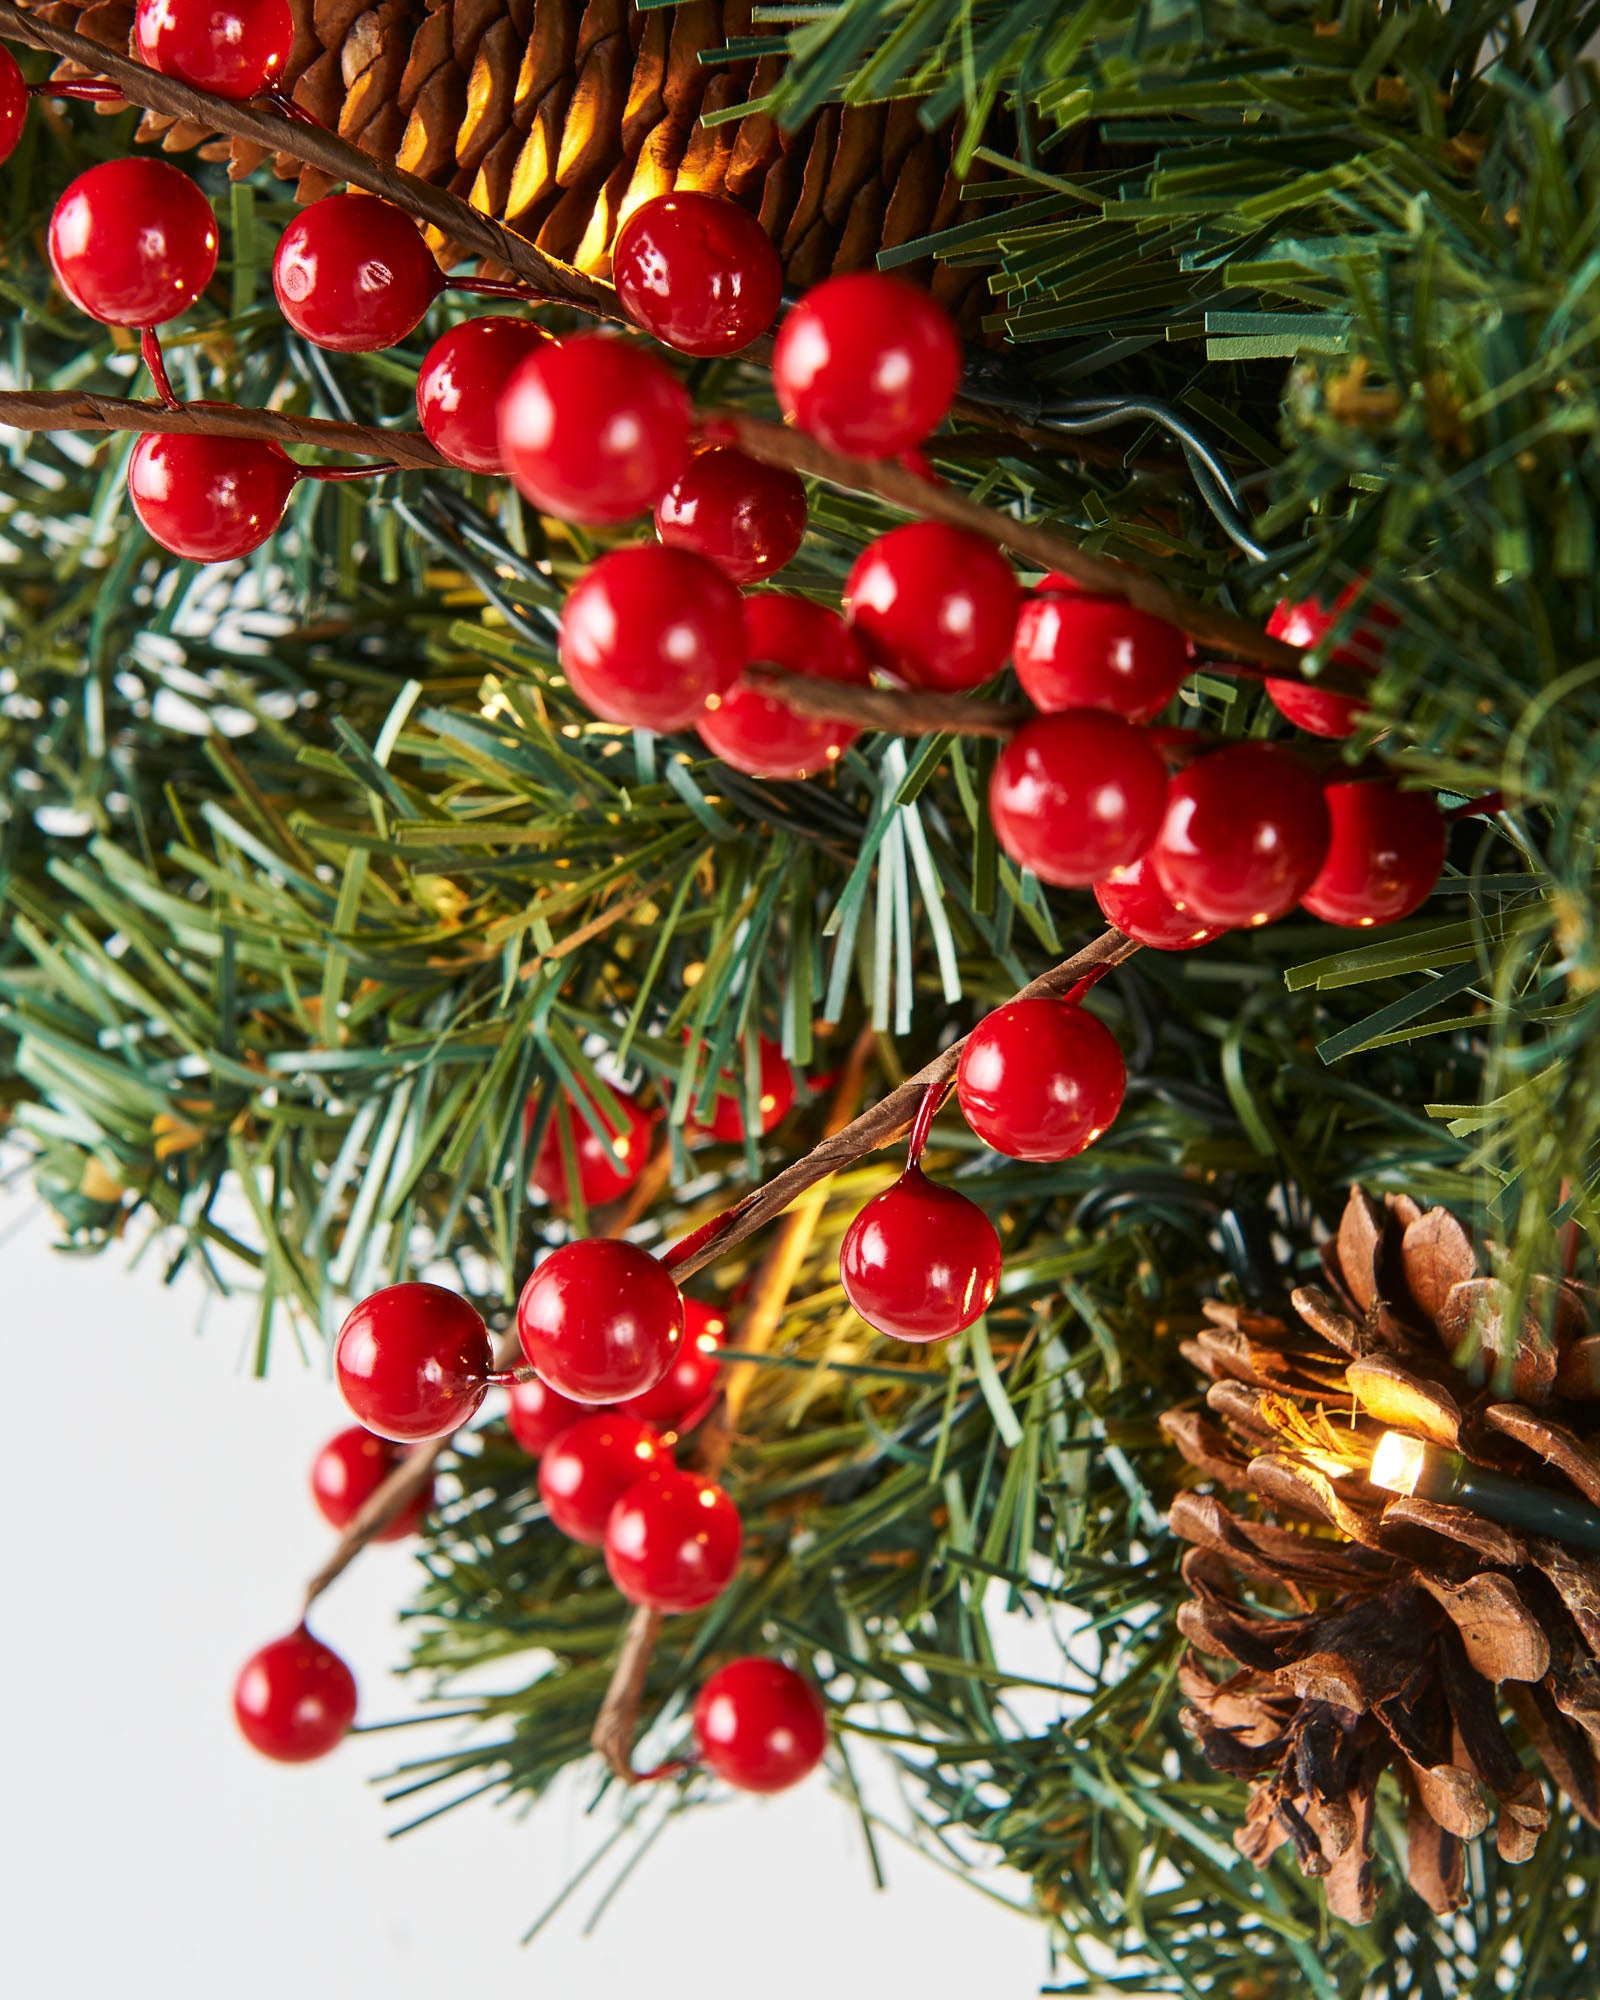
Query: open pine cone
558	117
1415	1633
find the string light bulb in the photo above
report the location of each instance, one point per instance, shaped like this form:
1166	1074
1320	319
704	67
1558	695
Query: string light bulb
1407	1465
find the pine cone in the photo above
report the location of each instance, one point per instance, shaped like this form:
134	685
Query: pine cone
1418	1638
559	117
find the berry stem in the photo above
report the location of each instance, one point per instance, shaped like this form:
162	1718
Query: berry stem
156	362
927	1111
89	91
73	410
336	472
504	288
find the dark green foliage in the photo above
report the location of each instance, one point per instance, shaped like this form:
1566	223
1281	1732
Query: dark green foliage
285	967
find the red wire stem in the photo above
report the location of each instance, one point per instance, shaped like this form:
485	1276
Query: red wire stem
156	362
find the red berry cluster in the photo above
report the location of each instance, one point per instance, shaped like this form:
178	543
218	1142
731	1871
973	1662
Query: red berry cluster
657	636
624	1365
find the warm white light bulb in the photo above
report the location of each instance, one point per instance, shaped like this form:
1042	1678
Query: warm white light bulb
1398	1462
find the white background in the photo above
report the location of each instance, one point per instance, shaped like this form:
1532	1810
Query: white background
159	1529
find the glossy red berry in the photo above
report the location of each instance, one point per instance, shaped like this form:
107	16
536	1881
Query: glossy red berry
13	104
211	499
461	381
920	1261
1136	903
757	733
649	634
1385	854
586	1470
1040	1080
133	242
1246	830
682	1394
600	1319
606	1169
746	517
867	363
413	1361
234	48
1074	795
349	1469
353	274
760	1725
295	1699
1076	650
673	1541
594	428
775	1100
1306	623
935	606
698	272
536	1414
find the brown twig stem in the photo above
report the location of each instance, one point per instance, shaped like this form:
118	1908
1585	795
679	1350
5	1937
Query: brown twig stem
75	410
618	1721
762	1314
1045	548
885	1122
258	124
906	711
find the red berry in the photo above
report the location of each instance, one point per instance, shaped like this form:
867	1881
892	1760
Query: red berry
210	499
1136	903
294	1700
1246	830
1075	650
593	428
1039	1080
746	517
936	606
673	1541
349	1469
869	364
760	1725
698	272
775	1101
1385	855
537	1415
920	1261
754	731
354	274
13	104
234	48
649	634
1074	795
462	379
677	1398
412	1361
1306	623
605	1171
585	1472
133	242
600	1319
